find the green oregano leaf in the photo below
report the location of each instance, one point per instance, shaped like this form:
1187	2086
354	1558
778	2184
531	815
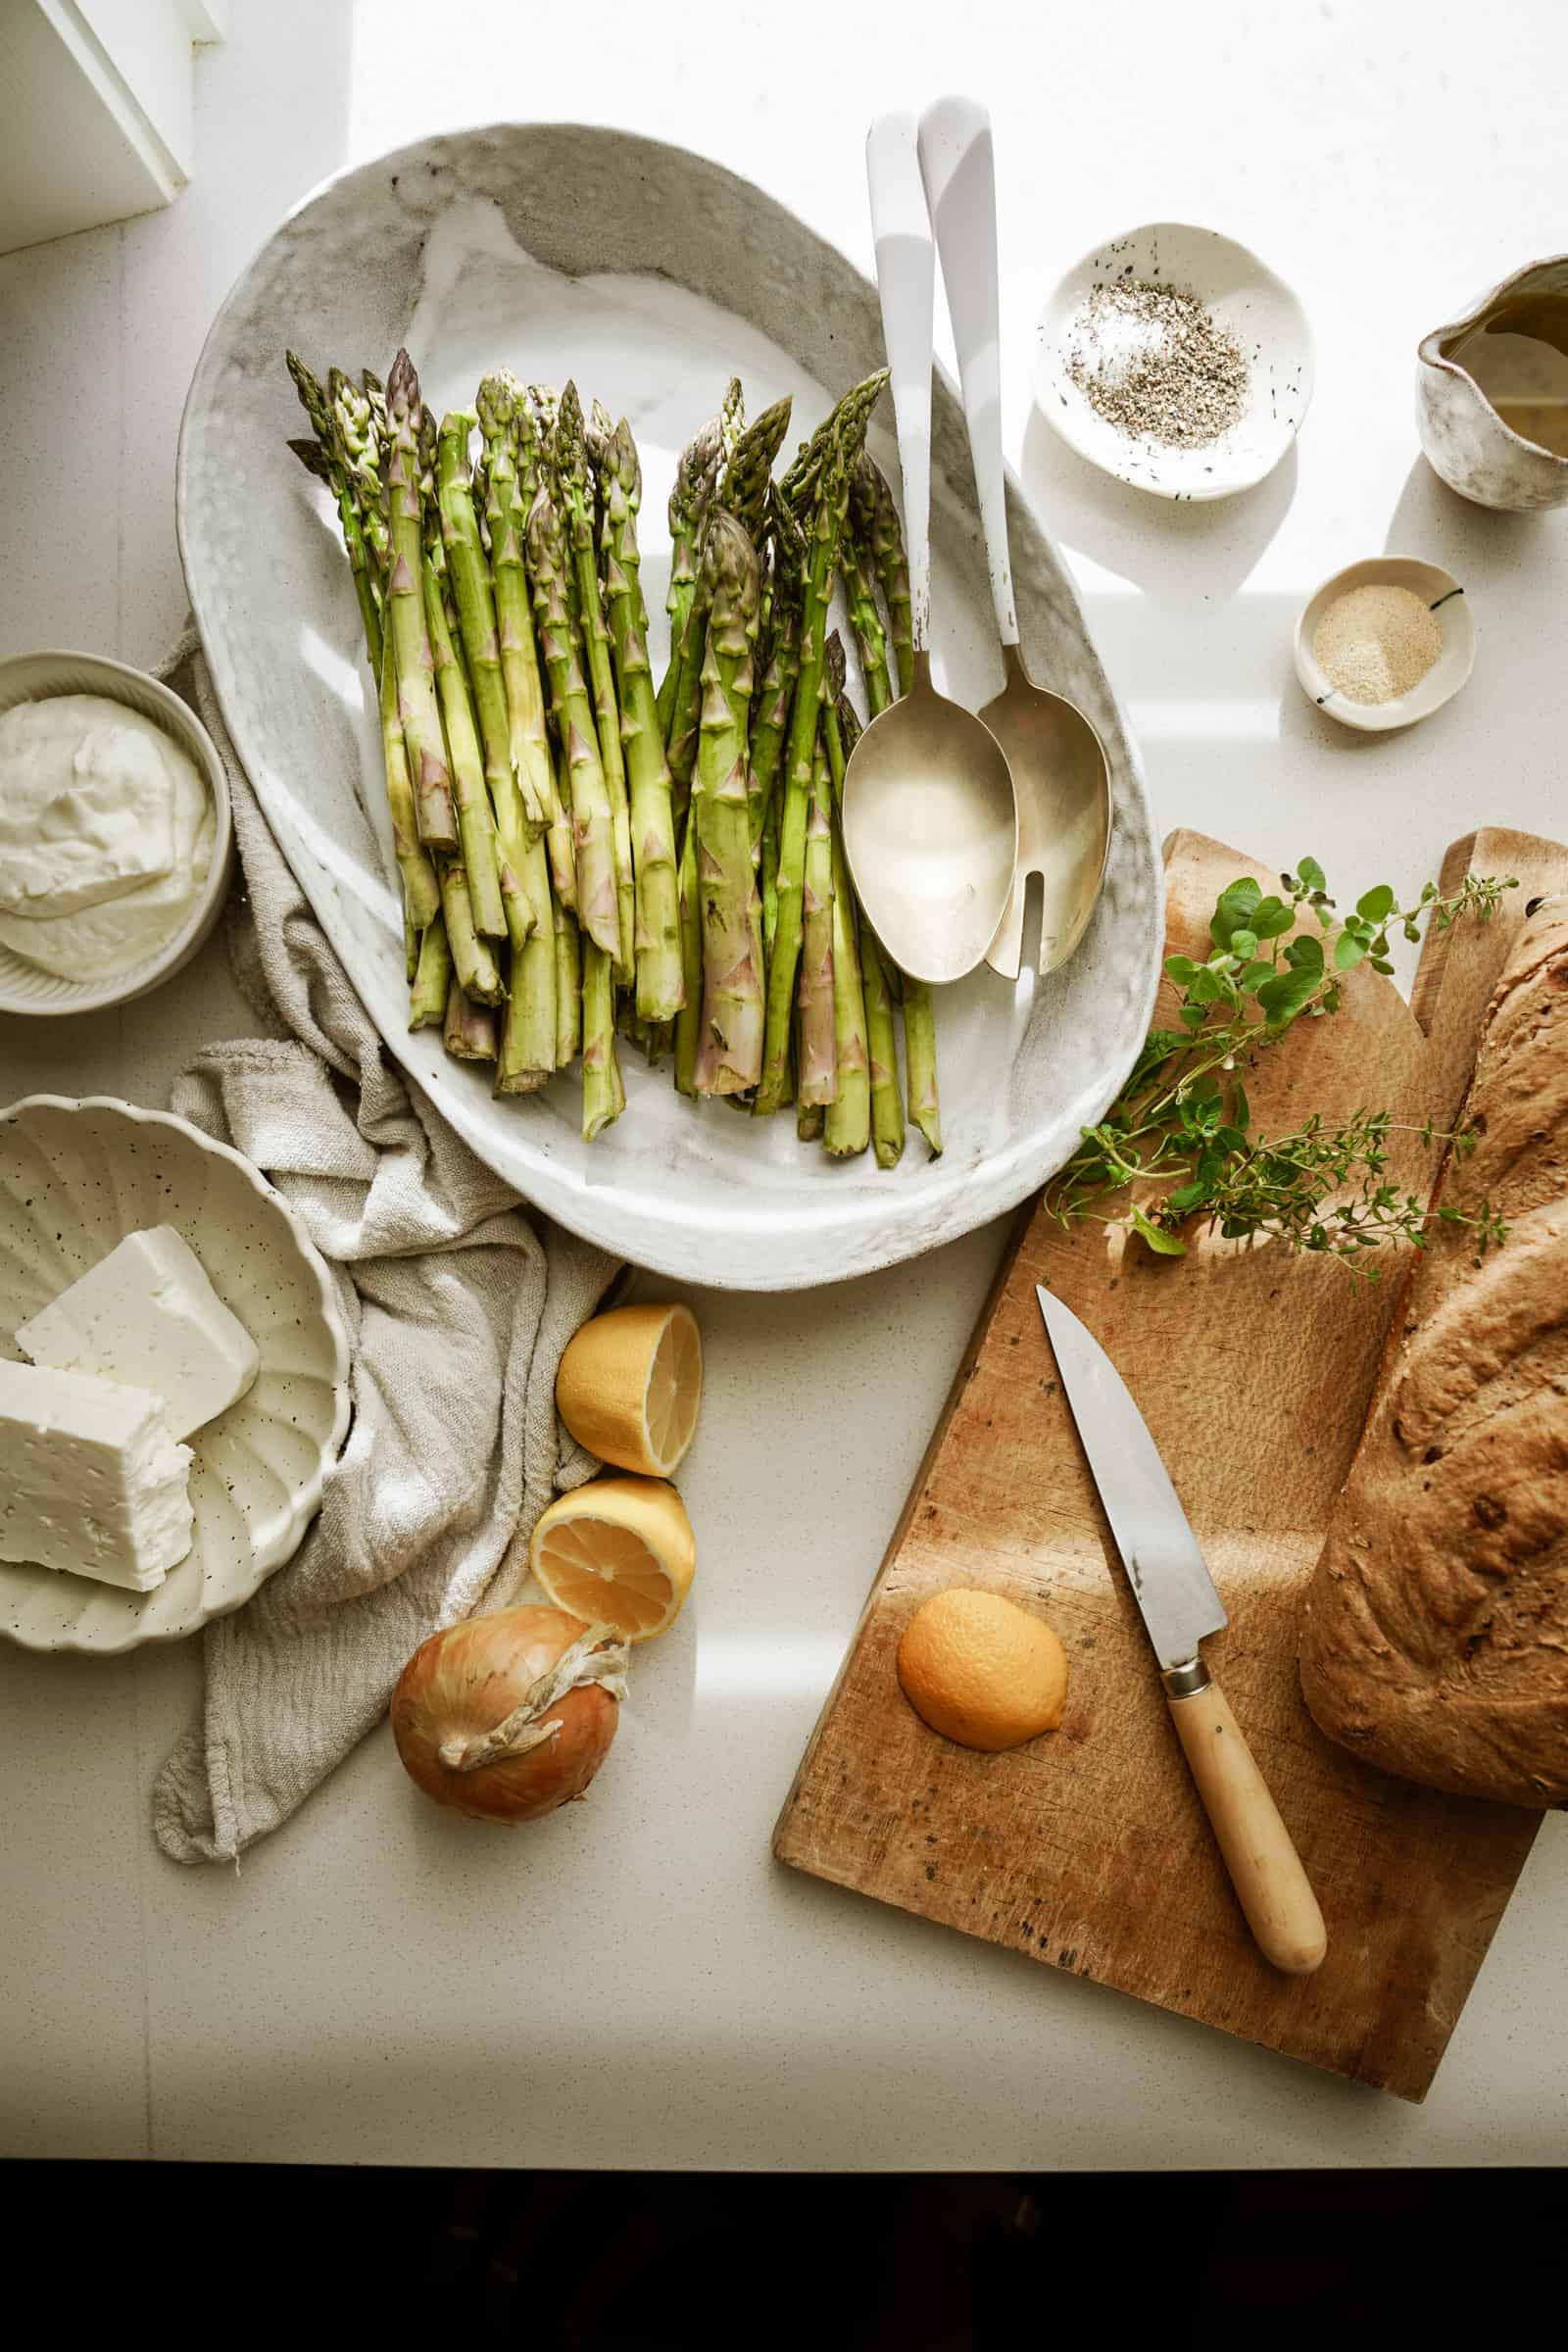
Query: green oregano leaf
1165	1244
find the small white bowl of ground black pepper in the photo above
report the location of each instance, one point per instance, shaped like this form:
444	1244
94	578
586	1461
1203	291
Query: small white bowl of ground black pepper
1384	643
1174	359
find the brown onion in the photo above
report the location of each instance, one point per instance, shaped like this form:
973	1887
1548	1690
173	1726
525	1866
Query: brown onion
469	1725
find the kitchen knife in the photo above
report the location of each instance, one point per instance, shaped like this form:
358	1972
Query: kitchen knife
1176	1597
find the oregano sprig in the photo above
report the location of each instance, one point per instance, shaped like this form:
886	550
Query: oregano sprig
1182	1121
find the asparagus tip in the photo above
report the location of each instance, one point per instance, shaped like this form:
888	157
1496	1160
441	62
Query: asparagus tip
403	384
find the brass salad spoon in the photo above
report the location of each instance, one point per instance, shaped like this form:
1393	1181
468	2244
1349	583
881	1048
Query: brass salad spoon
930	824
1058	762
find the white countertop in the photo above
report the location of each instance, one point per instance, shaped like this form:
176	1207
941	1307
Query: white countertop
638	1984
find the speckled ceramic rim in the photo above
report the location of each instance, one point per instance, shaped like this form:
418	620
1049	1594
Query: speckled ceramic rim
40	677
1442	593
724	1240
306	1498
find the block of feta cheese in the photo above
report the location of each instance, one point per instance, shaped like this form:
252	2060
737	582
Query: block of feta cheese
91	1479
147	1314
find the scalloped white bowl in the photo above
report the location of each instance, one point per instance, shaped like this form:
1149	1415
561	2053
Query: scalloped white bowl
75	1179
37	677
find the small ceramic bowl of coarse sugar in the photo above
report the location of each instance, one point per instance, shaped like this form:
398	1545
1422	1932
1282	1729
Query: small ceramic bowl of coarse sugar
1384	643
1174	359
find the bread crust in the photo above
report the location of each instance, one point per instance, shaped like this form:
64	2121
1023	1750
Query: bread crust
1433	1638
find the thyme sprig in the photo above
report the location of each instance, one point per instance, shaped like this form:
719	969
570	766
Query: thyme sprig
1182	1123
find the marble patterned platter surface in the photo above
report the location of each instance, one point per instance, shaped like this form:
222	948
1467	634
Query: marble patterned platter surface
650	276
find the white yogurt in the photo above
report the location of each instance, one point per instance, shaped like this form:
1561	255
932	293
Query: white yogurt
106	835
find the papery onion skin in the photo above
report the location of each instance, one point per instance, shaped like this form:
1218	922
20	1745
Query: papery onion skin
464	1682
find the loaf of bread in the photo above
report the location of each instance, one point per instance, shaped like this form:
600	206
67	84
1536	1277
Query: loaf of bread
1435	1640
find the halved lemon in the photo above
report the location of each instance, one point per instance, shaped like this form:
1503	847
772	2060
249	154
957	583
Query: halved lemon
619	1551
982	1671
629	1386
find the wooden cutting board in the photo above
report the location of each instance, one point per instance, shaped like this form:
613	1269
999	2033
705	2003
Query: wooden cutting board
1087	1849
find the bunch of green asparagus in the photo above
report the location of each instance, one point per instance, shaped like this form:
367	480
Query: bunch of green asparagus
585	860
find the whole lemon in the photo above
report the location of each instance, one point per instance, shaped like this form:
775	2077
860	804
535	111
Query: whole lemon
981	1670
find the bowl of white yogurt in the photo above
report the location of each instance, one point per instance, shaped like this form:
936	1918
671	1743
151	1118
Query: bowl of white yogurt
115	833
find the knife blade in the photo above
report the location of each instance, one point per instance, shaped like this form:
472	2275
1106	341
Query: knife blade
1179	1605
1170	1581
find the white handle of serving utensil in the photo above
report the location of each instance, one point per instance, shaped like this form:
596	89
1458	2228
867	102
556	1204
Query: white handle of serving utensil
906	280
958	166
1271	1887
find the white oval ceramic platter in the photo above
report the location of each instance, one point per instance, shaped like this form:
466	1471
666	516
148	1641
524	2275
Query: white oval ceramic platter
650	276
76	1177
1244	296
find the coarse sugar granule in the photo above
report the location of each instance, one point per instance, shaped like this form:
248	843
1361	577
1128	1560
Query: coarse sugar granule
1375	643
1154	362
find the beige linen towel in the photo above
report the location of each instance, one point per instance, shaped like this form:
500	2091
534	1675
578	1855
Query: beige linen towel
458	1306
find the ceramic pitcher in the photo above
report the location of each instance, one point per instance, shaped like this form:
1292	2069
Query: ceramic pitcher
1516	340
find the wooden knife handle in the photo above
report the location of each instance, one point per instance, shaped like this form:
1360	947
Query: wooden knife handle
1265	1868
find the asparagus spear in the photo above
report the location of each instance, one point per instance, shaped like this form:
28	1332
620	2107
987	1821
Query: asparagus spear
920	1013
695	478
921	1062
661	991
840	438
526	1048
328	467
469	576
847	1128
512	468
422	899
770	713
432	977
882	1051
685	710
818	1075
475	824
375	393
596	907
842	726
422	892
860	587
416	663
319	462
689	1020
603	1097
743	493
795	804
475	964
568	986
469	1030
729	1056
680	698
571	463
529	1034
845	424
731	416
357	441
885	534
543	407
849	1117
598	430
743	490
